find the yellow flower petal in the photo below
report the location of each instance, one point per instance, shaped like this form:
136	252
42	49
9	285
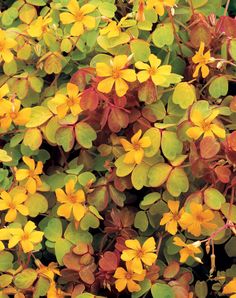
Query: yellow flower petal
89	22
120	273
137	266
230	287
133	286
218	131
120	284
128	74
129	157
135	138
143	76
21	174
77	29
194	132
70	186
121	87
126	144
141	65
173	206
154	61
11	215
205	71
145	142
67	18
27	246
73	6
23	209
4	90
149	258
87	8
64	210
103	70
31	185
29	227
149	245
78	211
120	61
106	85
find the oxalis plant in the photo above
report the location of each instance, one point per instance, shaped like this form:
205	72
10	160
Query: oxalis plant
117	148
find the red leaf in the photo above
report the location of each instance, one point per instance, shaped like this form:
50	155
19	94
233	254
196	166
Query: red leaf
209	147
226	25
117	119
89	100
171	270
223	173
109	261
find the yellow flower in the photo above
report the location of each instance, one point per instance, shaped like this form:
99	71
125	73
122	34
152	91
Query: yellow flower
4	235
188	250
4	104
33	181
6	44
202	60
128	278
204	125
196	219
13	202
79	16
47	271
54	292
159	5
117	74
230	288
71	201
27	237
15	115
140	254
160	75
135	152
111	30
171	219
68	103
39	26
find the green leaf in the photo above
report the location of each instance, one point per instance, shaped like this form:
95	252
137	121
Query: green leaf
230	247
86	177
36	84
74	235
225	210
201	289
213	198
85	134
141	221
53	230
150	199
155	137
145	287
6	259
139	176
65	138
163	35
89	221
198	3
140	49
39	115
107	9
158	174
123	169
5	280
184	95
219	87
177	182
62	247
25	279
8	16
36	204
232	48
33	138
170	144
36	2
162	290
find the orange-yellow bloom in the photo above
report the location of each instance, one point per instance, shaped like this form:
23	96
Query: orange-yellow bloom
204	125
30	175
135	149
67	103
188	250
140	254
4	235
54	292
71	201
201	60
196	219
79	17
128	278
160	75
39	26
115	73
15	115
13	202
6	44
230	288
159	5
47	271
171	219
4	103
27	237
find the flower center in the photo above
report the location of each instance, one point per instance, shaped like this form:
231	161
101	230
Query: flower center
136	146
79	16
13	115
206	126
140	253
176	216
1	46
152	71
12	205
70	101
116	74
72	198
25	236
203	60
128	275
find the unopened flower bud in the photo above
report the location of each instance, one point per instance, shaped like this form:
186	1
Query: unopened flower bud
197	243
208	247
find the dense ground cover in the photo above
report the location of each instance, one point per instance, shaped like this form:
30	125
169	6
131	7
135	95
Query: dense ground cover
117	148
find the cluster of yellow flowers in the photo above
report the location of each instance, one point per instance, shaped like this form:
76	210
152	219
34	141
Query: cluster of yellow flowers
137	258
